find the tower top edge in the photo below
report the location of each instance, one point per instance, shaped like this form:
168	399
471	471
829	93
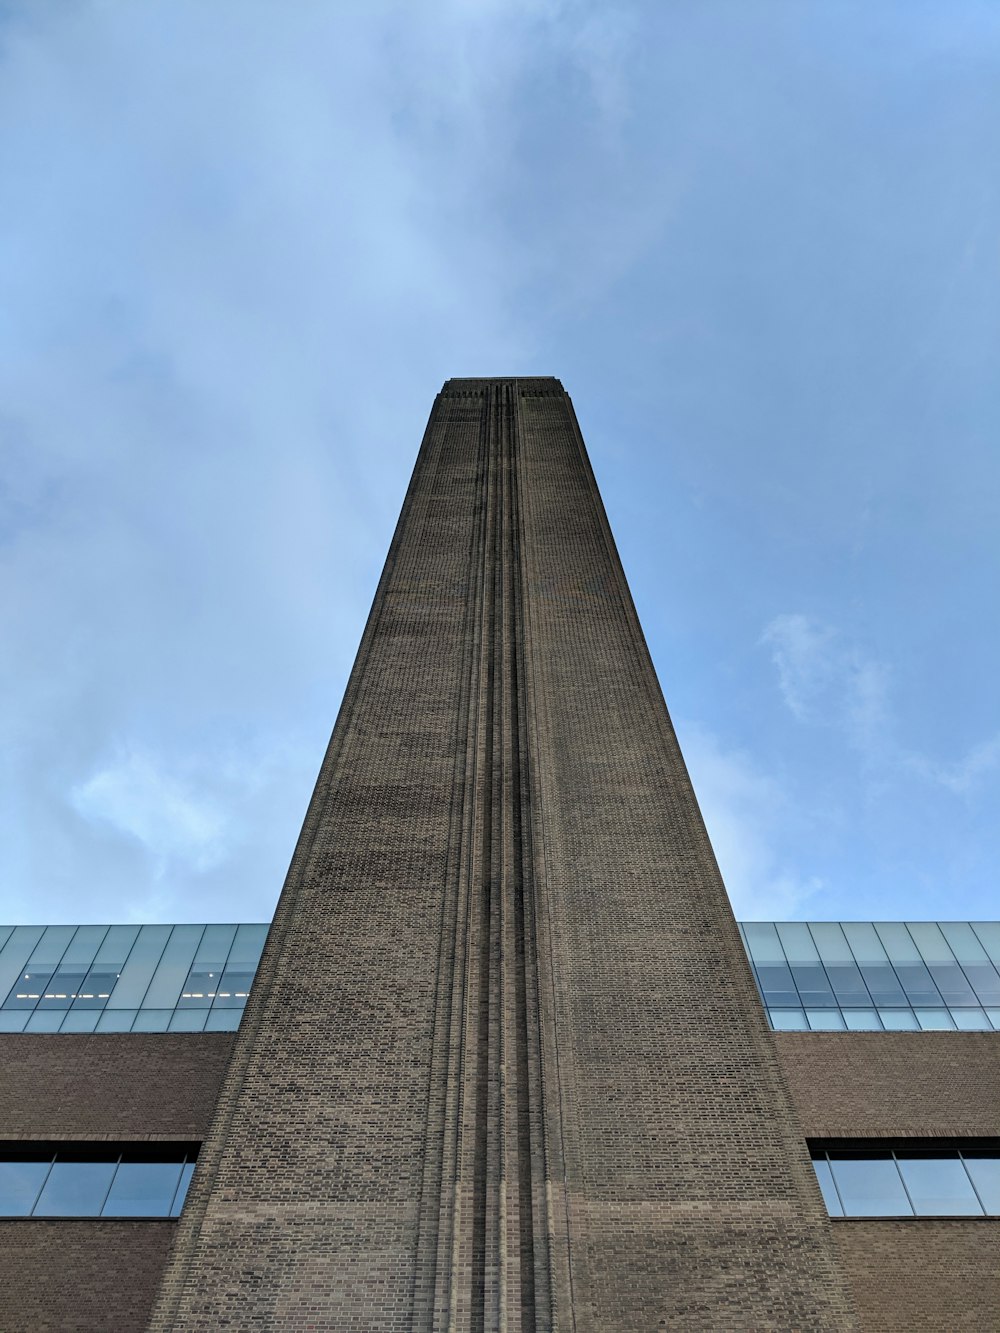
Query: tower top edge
463	383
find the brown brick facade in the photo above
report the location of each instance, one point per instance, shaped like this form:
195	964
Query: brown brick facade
894	1084
69	1276
503	1066
110	1085
923	1276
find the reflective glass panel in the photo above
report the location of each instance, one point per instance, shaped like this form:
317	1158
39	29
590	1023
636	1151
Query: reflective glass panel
138	970
870	1186
168	979
223	1020
143	1189
204	979
984	1168
20	1183
932	1020
827	1187
186	1173
825	1020
116	1020
862	1020
788	1020
14	957
971	1020
899	1020
75	1188
938	1186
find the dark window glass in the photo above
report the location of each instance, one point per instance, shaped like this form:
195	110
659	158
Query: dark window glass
20	1183
75	1188
810	978
870	1186
938	1186
143	1189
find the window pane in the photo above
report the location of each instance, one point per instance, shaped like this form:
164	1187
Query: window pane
985	1172
19	1186
932	1020
143	1189
137	971
223	1020
186	1173
862	1020
75	1189
116	1020
971	1020
870	1187
168	980
152	1020
938	1186
898	1020
827	1187
825	1020
788	1020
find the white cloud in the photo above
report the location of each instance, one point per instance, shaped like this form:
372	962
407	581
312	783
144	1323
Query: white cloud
179	826
748	815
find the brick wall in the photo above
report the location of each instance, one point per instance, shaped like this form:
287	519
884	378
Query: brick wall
65	1276
893	1084
110	1085
923	1275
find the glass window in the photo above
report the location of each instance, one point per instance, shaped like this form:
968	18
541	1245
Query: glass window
825	1020
862	1020
143	1189
898	1020
80	1020
187	1020
827	1187
223	1020
21	1181
96	988
14	956
136	973
971	1020
116	1020
76	1186
152	1020
938	1186
870	1186
845	976
934	1019
242	964
984	1168
205	977
988	935
187	1172
907	963
45	1020
972	956
949	978
168	979
787	1020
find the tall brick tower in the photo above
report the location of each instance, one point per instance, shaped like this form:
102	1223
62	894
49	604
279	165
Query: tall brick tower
503	1066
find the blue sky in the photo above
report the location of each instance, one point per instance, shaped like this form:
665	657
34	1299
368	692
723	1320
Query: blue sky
242	244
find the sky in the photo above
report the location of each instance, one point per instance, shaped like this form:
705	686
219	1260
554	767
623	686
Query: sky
241	246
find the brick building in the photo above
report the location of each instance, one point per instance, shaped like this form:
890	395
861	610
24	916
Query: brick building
504	1063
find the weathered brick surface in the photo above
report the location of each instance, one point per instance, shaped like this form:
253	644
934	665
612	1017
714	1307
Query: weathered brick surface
503	1066
79	1276
110	1085
923	1276
894	1084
